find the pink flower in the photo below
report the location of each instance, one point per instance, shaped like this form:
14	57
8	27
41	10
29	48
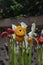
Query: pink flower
4	34
10	31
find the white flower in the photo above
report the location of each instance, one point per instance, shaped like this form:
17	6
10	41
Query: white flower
33	27
23	25
13	26
31	34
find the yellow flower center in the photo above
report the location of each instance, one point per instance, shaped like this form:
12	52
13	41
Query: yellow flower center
20	31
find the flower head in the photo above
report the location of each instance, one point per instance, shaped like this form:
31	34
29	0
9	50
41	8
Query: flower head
30	40
40	39
31	33
20	31
11	31
4	34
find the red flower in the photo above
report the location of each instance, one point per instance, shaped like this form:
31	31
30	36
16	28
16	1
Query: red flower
40	39
4	34
10	31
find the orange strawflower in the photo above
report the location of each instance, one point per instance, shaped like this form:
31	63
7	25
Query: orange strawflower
20	33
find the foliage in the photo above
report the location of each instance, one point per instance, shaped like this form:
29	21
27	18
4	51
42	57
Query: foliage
20	8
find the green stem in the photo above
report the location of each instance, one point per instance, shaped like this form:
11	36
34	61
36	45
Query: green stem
42	55
22	56
13	53
25	55
9	50
19	56
39	51
30	54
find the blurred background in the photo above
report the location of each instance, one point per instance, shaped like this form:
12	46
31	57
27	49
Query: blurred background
20	8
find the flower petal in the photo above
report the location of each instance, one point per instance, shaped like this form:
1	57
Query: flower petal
33	27
13	26
10	31
30	34
23	24
4	34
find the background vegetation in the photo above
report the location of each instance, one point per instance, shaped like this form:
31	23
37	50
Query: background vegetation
20	8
